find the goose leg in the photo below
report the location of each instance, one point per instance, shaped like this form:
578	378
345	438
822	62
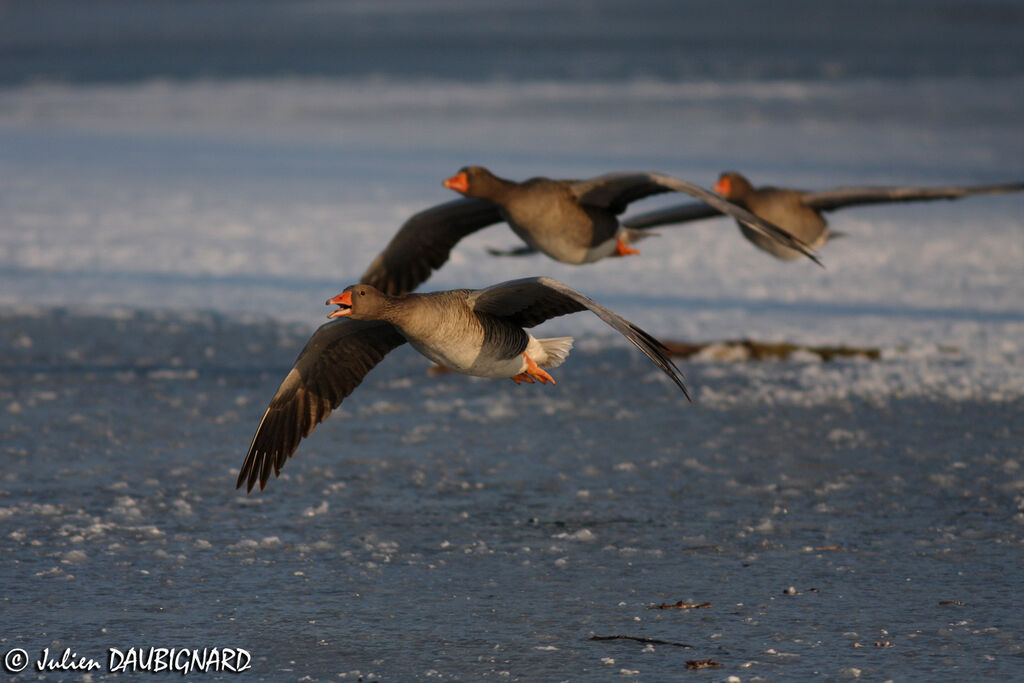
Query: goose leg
621	249
533	373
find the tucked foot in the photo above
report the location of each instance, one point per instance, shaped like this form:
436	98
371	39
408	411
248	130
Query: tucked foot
533	373
622	249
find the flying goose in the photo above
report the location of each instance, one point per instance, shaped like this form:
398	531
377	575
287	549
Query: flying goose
797	211
475	332
572	221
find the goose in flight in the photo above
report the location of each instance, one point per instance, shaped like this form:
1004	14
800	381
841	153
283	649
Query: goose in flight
572	221
475	332
799	212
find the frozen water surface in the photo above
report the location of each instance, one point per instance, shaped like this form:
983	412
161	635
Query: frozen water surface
477	529
170	227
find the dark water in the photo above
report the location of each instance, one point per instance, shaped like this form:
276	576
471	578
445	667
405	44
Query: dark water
119	40
457	529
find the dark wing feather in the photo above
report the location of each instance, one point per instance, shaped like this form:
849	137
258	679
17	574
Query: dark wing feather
531	301
524	250
425	241
829	200
755	223
334	362
683	213
615	191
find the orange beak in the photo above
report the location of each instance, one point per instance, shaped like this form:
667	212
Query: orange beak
344	300
458	182
723	187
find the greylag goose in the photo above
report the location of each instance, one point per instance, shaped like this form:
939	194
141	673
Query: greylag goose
475	332
572	221
798	211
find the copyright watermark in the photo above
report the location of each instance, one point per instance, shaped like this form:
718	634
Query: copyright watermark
181	660
15	660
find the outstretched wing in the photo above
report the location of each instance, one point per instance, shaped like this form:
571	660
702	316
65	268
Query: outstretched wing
759	225
616	191
683	213
531	301
334	362
829	200
425	241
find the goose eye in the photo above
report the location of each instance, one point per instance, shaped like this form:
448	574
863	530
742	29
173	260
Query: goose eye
362	292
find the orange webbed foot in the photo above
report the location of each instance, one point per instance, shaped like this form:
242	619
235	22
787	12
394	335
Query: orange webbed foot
535	371
622	249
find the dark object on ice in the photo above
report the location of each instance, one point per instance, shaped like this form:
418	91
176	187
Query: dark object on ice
681	605
702	664
641	639
798	211
753	350
475	332
572	221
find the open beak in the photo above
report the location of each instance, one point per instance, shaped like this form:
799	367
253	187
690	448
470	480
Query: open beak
722	187
344	303
458	182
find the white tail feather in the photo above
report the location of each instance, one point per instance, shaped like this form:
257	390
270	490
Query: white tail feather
634	235
557	350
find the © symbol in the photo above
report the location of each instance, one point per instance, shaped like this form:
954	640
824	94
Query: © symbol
15	660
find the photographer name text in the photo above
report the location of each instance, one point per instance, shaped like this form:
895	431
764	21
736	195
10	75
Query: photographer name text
181	660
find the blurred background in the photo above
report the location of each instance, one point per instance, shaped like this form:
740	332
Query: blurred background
154	143
587	40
